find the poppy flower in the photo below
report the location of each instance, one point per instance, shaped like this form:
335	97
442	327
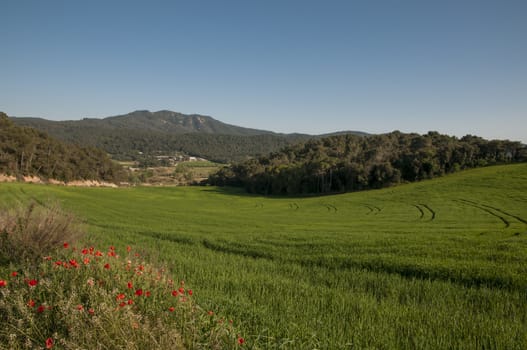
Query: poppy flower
130	285
84	251
139	292
80	307
49	343
66	245
14	273
189	292
32	283
148	293
120	296
107	266
91	311
41	309
3	283
241	340
31	303
130	301
171	309
174	293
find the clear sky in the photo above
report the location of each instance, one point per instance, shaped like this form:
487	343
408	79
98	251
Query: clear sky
458	67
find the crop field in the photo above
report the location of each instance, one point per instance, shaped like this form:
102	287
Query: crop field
439	264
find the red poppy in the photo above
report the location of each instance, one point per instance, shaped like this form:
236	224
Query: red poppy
128	248
49	343
130	301
98	253
189	292
84	251
106	266
130	285
122	303
91	311
66	245
31	303
14	273
3	283
120	296
181	290
241	340
32	283
174	293
148	293
211	313
41	309
80	307
171	309
139	292
74	263
86	261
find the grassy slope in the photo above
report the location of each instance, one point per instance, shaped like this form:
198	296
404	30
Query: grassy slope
436	264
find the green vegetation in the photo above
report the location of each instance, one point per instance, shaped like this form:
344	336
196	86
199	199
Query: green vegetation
436	264
142	135
349	162
28	152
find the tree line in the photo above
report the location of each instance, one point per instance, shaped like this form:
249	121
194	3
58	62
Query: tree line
349	163
28	152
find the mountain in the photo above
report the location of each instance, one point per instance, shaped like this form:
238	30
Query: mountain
28	152
143	134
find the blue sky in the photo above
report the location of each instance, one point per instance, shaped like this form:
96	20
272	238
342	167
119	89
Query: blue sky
457	67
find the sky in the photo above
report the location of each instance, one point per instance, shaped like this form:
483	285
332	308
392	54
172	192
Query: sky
457	67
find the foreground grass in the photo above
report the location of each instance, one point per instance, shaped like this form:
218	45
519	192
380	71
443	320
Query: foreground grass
439	264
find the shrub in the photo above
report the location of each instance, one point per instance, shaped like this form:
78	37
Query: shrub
27	233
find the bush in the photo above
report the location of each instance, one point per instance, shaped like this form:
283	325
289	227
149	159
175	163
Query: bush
28	233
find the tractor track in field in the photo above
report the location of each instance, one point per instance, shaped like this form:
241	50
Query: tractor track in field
432	211
501	211
482	207
421	212
330	207
374	210
294	206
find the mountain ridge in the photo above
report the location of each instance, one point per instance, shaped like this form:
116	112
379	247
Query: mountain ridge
152	133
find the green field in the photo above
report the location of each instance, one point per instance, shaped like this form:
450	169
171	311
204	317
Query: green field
439	264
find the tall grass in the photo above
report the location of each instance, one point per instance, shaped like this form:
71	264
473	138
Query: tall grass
438	264
76	297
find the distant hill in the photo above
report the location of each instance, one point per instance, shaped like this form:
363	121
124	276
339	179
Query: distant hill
28	152
144	133
348	162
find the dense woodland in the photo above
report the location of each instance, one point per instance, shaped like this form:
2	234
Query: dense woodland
26	151
350	163
143	135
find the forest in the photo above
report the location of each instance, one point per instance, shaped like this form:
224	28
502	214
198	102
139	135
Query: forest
28	152
345	163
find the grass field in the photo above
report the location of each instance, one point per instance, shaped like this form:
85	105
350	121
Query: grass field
438	264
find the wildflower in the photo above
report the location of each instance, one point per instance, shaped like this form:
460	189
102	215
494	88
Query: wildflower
84	251
3	283
211	312
120	296
49	343
66	245
139	292
31	303
122	303
14	273
90	281
74	263
241	340
107	266
174	293
130	285
148	293
189	292
171	309
32	283
86	261
91	311
111	253
80	307
128	248
41	309
130	301
98	253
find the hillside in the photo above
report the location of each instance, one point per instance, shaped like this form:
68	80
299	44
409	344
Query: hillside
438	264
348	162
28	152
127	136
